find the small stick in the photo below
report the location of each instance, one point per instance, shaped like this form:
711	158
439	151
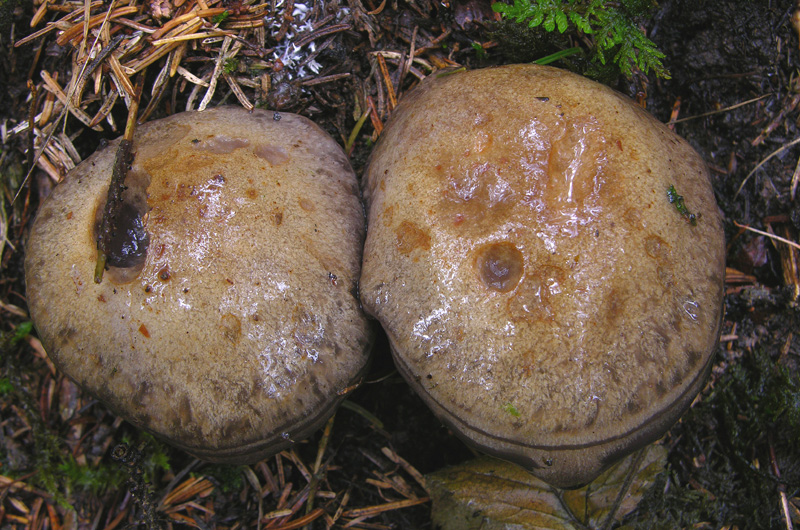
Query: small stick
32	122
122	162
769	235
319	470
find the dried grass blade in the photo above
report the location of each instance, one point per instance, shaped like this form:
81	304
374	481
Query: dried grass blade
52	86
769	235
122	80
39	15
105	109
245	24
178	517
189	76
35	35
772	154
193	16
140	64
62	24
175	59
402	462
15	485
199	486
136	25
76	30
117	519
277	514
87	14
302	521
157	53
325	79
237	91
374	117
192	36
371	511
69	148
196	92
48	167
218	65
388	82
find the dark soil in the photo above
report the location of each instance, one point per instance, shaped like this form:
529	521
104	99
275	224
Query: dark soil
732	456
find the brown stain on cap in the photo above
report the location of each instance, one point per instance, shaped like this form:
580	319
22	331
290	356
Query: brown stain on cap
411	237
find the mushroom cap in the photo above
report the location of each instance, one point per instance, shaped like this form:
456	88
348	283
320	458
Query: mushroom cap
240	330
538	288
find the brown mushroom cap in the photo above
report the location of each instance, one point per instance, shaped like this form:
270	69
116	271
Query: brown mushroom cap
538	288
241	327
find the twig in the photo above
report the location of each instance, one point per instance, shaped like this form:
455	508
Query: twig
319	469
122	161
637	461
769	235
726	109
776	152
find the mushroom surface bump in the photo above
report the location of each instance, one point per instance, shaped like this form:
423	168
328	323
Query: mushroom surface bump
228	322
538	288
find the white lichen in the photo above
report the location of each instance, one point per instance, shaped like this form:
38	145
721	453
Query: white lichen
293	57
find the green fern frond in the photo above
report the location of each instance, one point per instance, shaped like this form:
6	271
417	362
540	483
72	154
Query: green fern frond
612	29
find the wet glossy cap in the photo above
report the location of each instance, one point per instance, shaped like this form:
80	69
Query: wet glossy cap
539	289
229	325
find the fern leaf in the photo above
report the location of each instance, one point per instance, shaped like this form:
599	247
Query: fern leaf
611	28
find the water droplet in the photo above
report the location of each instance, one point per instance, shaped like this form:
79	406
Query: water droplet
691	308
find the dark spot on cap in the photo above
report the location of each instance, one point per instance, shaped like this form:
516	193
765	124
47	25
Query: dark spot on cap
500	266
231	327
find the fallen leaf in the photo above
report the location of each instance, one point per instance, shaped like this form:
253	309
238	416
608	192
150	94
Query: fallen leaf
491	494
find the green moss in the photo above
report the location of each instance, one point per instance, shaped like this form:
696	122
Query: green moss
674	198
721	471
230	66
5	386
222	17
154	458
229	478
57	471
95	479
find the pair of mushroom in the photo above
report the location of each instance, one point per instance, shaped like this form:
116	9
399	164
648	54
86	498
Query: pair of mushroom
538	288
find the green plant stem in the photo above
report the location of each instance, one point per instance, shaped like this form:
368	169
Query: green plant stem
553	57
